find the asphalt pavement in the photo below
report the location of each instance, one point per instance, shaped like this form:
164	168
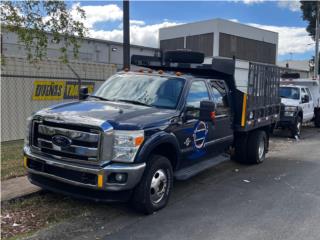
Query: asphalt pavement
279	199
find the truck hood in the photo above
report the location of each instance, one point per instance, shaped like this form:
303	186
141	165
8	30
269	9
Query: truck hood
289	102
105	114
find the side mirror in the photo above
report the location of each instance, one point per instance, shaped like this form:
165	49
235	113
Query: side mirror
191	113
84	93
207	111
305	99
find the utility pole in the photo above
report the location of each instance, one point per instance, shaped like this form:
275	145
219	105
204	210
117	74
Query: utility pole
126	35
316	57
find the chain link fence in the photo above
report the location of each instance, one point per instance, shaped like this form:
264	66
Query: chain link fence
27	88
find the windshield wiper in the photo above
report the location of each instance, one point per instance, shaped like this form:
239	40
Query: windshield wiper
100	98
133	102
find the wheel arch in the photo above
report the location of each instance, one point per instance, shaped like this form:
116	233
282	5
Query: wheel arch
164	144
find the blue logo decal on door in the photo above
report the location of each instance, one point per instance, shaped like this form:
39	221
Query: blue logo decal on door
199	134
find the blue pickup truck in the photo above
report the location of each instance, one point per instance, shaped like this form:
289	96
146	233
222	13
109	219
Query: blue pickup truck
171	119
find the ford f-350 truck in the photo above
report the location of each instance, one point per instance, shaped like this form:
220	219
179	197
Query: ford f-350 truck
171	119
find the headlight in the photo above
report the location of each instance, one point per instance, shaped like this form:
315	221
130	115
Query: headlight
126	145
290	109
27	132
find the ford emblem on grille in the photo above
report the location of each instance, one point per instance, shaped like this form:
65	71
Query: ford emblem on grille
61	141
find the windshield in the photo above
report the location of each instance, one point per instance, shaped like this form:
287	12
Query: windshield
290	92
156	91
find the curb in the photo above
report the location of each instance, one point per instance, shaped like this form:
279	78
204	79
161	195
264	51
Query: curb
17	188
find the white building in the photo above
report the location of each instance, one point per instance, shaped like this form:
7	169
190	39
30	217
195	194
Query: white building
91	50
300	66
218	37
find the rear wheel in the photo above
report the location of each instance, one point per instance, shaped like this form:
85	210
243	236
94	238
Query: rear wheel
296	129
153	191
252	148
257	147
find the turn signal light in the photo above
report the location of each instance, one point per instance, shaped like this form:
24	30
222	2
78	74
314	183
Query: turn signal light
213	116
138	141
100	181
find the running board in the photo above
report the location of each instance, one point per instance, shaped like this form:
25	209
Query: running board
188	172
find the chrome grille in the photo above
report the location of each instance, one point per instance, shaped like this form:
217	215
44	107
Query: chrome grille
84	141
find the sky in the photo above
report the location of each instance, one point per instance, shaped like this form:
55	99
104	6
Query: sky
104	20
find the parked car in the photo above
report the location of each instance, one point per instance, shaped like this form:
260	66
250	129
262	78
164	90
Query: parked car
300	100
142	129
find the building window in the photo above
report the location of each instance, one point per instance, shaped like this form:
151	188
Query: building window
246	49
201	43
172	44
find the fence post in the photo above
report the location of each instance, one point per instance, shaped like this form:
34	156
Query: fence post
79	79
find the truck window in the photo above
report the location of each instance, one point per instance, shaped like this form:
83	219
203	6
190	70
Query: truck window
289	92
197	93
303	93
220	97
309	93
157	91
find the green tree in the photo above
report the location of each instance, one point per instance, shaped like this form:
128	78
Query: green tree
38	22
309	9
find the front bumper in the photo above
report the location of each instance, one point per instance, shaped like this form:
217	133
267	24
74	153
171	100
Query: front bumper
286	121
83	176
79	192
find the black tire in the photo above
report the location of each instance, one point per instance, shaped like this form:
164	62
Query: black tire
296	129
143	199
257	147
317	117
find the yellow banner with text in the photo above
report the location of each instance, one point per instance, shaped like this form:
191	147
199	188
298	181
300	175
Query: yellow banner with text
58	90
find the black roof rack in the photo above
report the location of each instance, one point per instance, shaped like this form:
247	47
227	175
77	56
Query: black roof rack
176	61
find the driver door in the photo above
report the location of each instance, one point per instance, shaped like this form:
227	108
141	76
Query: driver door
307	104
192	133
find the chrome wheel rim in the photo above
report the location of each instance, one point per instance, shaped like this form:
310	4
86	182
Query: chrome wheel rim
158	186
261	149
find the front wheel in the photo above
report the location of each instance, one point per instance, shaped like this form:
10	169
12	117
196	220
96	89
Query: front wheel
153	191
296	129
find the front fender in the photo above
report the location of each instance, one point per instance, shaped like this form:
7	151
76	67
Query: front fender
156	140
